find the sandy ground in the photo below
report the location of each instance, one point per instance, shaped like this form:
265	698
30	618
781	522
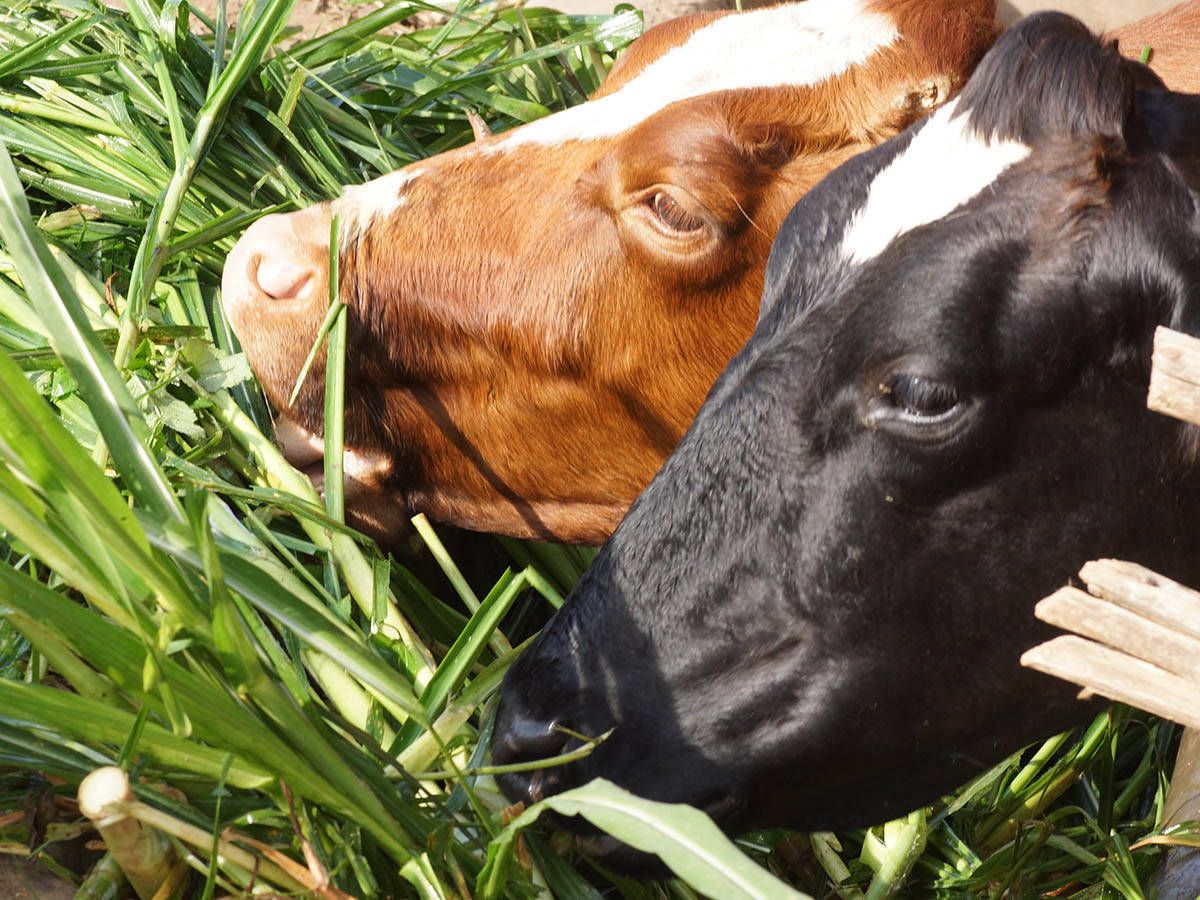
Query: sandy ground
20	880
1099	14
313	16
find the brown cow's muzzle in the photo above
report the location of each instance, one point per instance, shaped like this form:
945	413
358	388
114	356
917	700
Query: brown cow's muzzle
276	293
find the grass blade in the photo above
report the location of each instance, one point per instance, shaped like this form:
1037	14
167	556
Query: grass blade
58	306
685	839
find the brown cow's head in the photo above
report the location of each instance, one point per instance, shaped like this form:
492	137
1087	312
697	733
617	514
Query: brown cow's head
535	318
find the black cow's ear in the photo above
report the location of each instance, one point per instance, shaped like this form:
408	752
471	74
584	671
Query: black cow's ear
1142	253
1047	78
1171	124
1169	264
1145	247
1144	77
1184	314
1170	127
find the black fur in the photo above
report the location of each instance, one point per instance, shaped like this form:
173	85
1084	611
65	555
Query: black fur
813	616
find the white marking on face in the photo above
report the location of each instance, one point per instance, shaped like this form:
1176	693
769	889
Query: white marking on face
946	164
360	205
795	44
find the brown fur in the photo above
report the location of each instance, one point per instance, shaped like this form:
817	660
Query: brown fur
1173	37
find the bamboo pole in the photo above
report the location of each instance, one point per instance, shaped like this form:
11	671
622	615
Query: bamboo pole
144	854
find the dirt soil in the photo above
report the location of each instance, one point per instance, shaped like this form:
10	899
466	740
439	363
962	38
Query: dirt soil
20	880
315	16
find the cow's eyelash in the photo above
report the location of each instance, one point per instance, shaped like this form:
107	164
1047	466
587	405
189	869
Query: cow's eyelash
672	215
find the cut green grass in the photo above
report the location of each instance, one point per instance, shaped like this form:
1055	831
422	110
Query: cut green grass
211	614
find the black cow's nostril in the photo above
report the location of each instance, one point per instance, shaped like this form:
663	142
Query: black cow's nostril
520	738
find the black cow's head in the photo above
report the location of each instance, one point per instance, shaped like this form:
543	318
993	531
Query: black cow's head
814	614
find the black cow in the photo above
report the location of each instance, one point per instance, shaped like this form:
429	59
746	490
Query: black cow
813	616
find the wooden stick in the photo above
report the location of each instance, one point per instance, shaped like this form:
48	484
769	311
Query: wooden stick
1150	595
1116	626
1118	676
1175	375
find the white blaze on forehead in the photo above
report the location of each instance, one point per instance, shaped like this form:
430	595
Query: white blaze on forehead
793	45
796	44
946	164
361	204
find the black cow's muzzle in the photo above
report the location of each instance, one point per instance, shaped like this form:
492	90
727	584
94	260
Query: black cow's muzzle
520	738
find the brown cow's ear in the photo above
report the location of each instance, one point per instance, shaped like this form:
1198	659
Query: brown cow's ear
922	97
911	102
769	146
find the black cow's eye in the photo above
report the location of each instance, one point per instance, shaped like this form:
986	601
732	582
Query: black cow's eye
673	216
921	398
919	408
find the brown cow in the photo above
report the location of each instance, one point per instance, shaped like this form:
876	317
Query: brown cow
535	318
1172	36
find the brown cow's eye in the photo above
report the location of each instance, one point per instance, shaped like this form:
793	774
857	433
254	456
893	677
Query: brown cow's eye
672	215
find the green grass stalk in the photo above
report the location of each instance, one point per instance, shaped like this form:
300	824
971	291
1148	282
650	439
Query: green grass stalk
335	394
353	565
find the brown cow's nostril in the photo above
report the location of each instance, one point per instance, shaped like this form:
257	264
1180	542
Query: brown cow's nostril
284	279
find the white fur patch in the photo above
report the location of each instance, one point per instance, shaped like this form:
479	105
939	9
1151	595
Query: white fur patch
946	165
361	204
795	44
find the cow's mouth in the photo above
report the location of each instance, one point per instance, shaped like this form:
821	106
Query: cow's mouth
305	449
